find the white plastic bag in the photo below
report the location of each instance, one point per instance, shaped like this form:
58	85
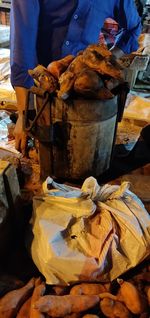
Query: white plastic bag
96	234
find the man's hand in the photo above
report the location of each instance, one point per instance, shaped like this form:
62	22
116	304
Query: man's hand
20	135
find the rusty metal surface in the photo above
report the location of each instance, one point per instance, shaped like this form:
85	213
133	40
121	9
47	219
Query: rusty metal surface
82	133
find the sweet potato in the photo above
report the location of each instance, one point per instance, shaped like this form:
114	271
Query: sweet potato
24	311
107	295
38	281
39	291
89	84
60	306
87	80
12	301
66	82
114	309
106	306
43	79
147	291
77	65
130	295
120	310
87	289
101	49
107	286
102	65
56	68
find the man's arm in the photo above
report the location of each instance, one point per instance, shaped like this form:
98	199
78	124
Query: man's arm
24	28
126	15
20	135
23	40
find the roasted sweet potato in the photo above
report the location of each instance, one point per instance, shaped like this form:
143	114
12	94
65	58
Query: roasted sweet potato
90	85
43	79
88	80
66	82
130	295
60	306
39	291
102	65
56	68
147	291
87	289
107	295
101	49
77	65
24	311
38	281
12	301
114	309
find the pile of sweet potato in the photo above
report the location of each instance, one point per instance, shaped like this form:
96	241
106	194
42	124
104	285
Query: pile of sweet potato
93	73
129	298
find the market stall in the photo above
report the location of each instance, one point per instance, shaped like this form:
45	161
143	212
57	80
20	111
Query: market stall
75	210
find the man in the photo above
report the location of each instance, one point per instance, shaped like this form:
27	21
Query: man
44	30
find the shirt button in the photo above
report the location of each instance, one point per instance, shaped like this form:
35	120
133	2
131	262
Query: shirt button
67	43
75	16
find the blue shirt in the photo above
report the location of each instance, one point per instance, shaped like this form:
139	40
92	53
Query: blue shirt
45	30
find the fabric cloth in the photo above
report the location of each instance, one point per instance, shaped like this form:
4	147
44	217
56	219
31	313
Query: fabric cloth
43	30
109	32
